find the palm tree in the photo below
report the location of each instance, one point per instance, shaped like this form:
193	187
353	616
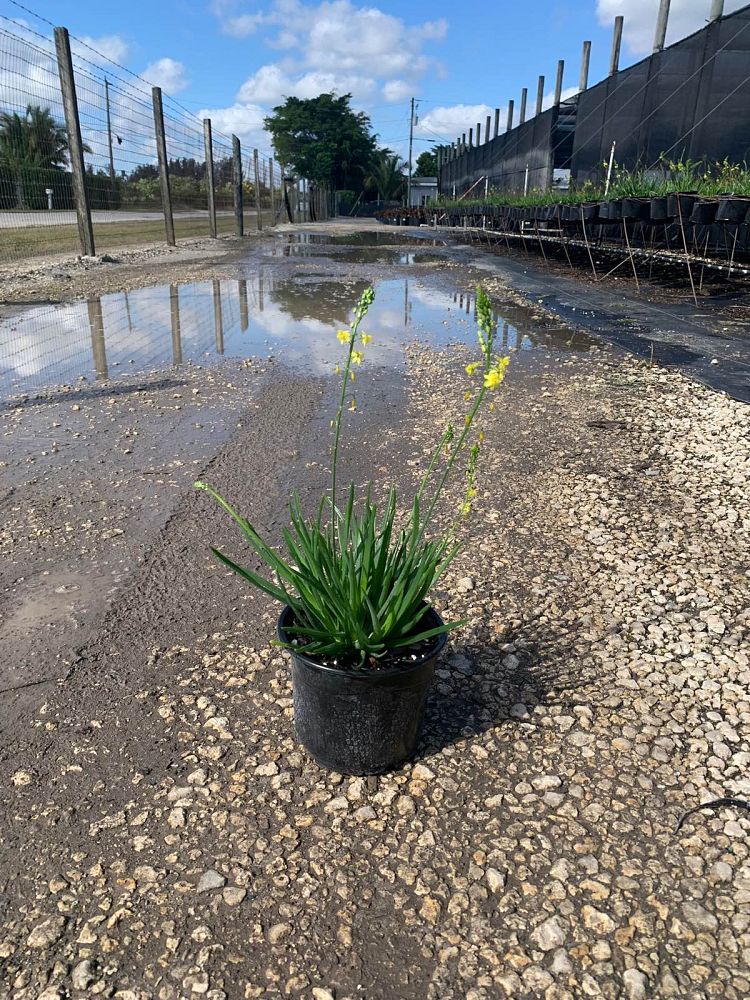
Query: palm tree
386	175
29	142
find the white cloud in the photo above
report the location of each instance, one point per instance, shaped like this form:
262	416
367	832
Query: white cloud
111	47
397	91
243	120
335	46
449	122
685	16
168	74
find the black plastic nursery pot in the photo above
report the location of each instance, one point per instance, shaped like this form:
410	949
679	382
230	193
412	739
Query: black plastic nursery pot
732	210
365	721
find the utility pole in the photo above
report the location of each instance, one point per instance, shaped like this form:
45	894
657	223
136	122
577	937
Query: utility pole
109	132
411	147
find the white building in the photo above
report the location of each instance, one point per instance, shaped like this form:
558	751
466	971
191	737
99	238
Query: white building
423	191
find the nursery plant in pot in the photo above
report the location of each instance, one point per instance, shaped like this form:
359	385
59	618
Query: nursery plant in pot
355	585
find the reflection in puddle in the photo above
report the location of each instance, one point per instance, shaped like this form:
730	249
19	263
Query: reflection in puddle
261	315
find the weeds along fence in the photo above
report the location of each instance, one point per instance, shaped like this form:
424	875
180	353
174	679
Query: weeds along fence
93	158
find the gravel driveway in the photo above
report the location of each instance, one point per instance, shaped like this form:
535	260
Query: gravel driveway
165	837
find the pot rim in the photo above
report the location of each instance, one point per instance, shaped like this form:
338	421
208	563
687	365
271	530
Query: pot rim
365	675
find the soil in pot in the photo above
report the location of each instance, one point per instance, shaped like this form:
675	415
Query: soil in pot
362	720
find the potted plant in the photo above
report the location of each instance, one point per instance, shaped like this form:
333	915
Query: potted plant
355	584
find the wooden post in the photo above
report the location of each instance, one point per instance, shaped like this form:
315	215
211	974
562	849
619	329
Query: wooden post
208	145
98	347
509	126
524	99
75	142
497	122
174	315
614	59
273	195
244	304
540	95
218	318
239	215
559	81
662	20
257	189
583	82
161	151
487	129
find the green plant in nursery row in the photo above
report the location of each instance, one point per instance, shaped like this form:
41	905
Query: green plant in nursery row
358	580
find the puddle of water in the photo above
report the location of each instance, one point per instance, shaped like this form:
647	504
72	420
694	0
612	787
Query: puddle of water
357	255
293	319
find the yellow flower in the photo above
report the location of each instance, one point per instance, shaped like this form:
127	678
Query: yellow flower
337	370
366	339
496	374
344	336
470	369
352	376
357	357
352	405
481	435
467	397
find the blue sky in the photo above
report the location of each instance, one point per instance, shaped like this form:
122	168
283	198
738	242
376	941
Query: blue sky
236	59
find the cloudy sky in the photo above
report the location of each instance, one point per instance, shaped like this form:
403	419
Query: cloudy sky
235	59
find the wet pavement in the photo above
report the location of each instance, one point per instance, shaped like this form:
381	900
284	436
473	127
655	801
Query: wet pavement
283	310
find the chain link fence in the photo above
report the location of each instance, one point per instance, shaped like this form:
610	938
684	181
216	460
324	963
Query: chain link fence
214	188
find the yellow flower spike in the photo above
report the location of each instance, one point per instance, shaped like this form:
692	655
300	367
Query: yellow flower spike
470	369
366	339
344	336
357	357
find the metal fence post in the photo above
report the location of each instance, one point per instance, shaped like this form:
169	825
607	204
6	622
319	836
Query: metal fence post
497	123
75	142
585	61
161	150
522	110
208	145
487	129
509	126
239	218
257	189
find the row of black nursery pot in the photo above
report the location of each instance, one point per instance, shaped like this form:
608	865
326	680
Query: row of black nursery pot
686	208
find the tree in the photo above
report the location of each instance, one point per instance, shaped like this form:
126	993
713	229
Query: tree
426	164
385	175
31	142
322	139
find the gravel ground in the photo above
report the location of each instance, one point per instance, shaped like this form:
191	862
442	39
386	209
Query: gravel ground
166	837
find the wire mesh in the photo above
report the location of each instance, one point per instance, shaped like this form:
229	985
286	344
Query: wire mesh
122	181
